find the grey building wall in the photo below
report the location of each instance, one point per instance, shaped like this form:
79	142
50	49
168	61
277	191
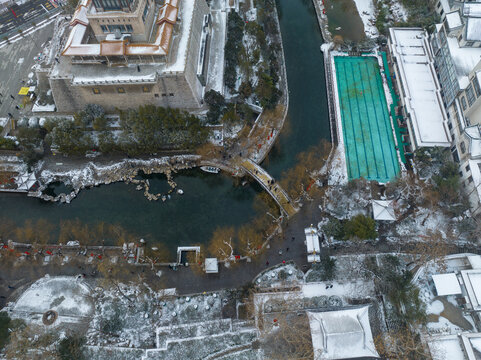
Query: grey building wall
201	9
169	91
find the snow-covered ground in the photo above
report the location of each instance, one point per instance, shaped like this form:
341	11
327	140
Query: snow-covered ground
68	296
367	13
215	76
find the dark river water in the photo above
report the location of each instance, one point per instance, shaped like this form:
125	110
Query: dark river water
209	200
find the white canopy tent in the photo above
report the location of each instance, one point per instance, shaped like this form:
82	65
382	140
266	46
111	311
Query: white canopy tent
312	244
383	210
211	266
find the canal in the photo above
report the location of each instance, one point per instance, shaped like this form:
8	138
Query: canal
209	200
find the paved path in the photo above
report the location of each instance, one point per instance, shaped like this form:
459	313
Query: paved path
271	186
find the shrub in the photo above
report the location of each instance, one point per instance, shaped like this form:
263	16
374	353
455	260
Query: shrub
71	348
334	228
360	227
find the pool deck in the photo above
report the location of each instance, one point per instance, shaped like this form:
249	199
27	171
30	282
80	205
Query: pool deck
364	125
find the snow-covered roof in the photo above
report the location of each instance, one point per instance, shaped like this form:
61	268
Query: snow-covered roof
383	210
472	282
473	29
167	17
464	60
422	91
446	347
454	19
446	284
474	261
120	76
341	334
472	344
26	181
211	266
472	9
312	240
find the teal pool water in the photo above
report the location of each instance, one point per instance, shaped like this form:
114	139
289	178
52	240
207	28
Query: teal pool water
368	136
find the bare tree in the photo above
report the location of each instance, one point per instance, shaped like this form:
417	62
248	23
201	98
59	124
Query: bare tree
32	342
400	344
221	243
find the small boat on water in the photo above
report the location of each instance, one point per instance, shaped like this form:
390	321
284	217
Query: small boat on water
180	191
210	169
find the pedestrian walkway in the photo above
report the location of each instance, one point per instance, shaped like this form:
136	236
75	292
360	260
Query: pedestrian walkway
271	186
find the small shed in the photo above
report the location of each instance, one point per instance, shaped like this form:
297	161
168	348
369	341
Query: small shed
383	210
447	284
312	244
211	266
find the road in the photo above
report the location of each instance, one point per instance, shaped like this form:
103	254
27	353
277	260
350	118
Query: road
20	14
16	62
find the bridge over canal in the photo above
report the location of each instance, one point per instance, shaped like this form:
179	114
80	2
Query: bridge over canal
272	187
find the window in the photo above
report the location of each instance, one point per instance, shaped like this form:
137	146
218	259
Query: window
121	90
450	126
129	28
146	89
96	91
104	28
156	95
171	94
164	95
467	168
107	5
476	87
439	5
463	103
470	179
455	154
146	10
122	28
469	43
470	94
462	146
441	12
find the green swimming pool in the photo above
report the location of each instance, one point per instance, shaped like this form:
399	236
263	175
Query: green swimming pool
366	126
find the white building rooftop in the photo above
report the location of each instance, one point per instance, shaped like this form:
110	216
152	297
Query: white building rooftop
454	19
472	282
312	244
421	89
211	266
446	284
341	334
383	210
446	348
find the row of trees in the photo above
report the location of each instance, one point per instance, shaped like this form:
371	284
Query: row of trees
233	46
145	130
246	56
42	232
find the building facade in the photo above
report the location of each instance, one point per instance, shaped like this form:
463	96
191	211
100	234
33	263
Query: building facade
124	53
